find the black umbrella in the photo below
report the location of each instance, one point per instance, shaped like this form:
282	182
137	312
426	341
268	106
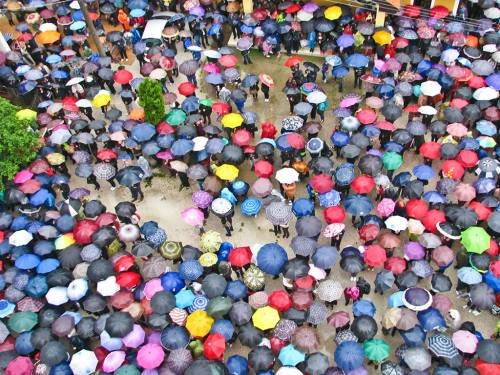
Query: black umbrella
440	282
364	327
296	268
452	114
188	67
14	196
303	246
392	112
494	222
406	279
105	73
352	264
316	364
163	302
402	137
370	165
93	208
174	337
214	285
482	296
249	335
462	217
384	280
489	351
69	257
241	313
261	358
298	316
40	337
125	209
199	367
119	324
113	114
350	151
232	154
308	226
53	353
360	140
438	127
114	36
416	128
463	92
414	189
471	112
47	316
323	25
129	176
59	277
448	151
264	149
104	236
311	66
85	327
321	164
158	321
100	269
480	262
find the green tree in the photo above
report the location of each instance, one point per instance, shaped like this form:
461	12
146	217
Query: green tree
18	141
150	95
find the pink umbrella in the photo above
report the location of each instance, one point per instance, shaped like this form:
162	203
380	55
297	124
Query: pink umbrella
386	207
22	176
457	130
165	155
348	102
193	216
135	338
465	341
211	68
442	302
374	102
152	287
442	255
113	361
465	192
332	230
20	365
150	356
262	187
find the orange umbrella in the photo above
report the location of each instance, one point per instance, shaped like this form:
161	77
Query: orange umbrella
48	37
294	60
137	114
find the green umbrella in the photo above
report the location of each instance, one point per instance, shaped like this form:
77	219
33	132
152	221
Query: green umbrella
196	347
128	370
171	250
254	278
176	117
392	160
206	102
210	241
22	321
218	307
475	240
376	350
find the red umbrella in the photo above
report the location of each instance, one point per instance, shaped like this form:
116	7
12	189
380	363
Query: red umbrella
495	268
214	347
363	184
20	366
452	169
458	103
228	61
293	60
467	158
412	11
396	265
305	283
263	168
302	300
481	210
400	42
439	12
30	186
486	368
431	219
375	255
385	125
124	263
122	76
412	108
334	214
493	250
165	128
106	154
69	100
366	116
492	114
296	141
167	63
389	240
321	183
240	256
277	345
186	88
294	8
416	208
430	150
221	108
280	300
259	14
476	82
369	232
83	231
128	280
241	137
106	218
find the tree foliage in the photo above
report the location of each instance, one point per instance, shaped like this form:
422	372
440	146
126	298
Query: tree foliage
151	99
19	141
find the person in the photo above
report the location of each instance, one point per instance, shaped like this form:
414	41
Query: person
290	191
246	57
122	50
254	91
136	192
265	90
184	180
123	20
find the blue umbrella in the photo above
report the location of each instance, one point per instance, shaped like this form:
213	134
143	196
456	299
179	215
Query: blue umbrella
434	197
395	299
150	148
26	86
214	146
303	207
181	147
172	282
165	140
37	286
493	80
237	365
184	298
358	205
469	275
469	144
363	307
27	261
224	327
249	80
251	206
137	13
424	66
190	269
414	337
137	4
283	144
214	29
401	179
236	290
344	174
423	172
486	127
269	26
191	104
340	71
340	138
392	146
40	197
245	29
357	60
492	281
325	257
385	91
174	337
331	198
47	265
289	356
271	258
224	250
349	355
78	25
431	319
370	131
23	344
143	132
345	40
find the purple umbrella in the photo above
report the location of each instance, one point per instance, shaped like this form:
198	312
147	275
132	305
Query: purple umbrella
202	199
197	11
345	40
414	251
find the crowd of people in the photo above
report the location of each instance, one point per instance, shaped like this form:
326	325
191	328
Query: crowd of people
408	162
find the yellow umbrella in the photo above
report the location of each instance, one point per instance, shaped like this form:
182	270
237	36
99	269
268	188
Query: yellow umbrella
333	13
227	172
62	242
199	323
26	114
232	120
382	37
101	99
55	158
48	37
265	318
208	259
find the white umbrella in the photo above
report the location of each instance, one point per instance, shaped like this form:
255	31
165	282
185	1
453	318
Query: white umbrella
221	206
75	81
286	370
427	110
60	136
304	16
74	5
199	143
210	53
485	93
108	287
316	97
129	233
415	226
430	88
287	175
396	223
84	103
195	48
20	238
57	296
490	48
158	74
83	363
492	13
47	27
77	289
54	108
382	180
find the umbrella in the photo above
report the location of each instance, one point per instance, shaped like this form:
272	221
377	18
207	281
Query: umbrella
482	296
260	358
271	258
358	205
290	356
376	350
349	355
475	239
487	351
316	364
442	346
417	358
305	339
